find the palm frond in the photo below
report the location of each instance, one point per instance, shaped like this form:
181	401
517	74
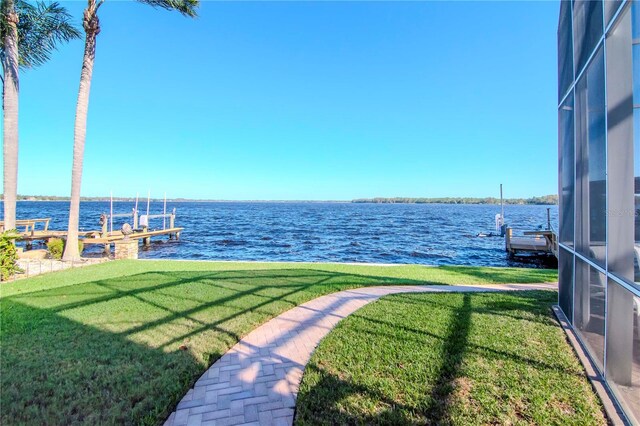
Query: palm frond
6	7
186	7
41	28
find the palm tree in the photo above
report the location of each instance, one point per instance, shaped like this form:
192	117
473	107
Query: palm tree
28	35
91	25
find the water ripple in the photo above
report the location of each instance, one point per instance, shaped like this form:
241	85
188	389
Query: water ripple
339	232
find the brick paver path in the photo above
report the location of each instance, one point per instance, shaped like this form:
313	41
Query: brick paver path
257	380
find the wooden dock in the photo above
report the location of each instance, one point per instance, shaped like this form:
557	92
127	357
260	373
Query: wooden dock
144	235
531	243
31	230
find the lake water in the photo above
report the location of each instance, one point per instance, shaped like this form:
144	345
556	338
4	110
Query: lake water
430	234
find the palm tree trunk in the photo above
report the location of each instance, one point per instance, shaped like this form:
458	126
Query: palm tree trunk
92	28
10	117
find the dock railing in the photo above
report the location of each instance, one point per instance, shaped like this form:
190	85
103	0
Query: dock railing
29	225
106	220
140	222
141	230
171	216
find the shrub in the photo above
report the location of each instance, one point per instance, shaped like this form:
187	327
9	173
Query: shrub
8	255
56	247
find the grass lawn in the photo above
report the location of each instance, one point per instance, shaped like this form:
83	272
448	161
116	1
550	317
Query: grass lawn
448	359
122	342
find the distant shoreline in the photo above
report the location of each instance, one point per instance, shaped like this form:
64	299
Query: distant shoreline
544	200
178	200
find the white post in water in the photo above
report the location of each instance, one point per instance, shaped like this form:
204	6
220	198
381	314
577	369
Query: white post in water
111	214
164	212
502	222
148	201
501	205
135	212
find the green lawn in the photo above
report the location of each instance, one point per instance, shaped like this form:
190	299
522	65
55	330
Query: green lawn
448	359
122	342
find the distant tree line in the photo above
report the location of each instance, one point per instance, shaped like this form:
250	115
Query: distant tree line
41	198
67	198
543	200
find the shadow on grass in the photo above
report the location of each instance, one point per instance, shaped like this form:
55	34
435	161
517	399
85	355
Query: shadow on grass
526	302
499	275
108	351
376	396
454	349
58	371
322	403
526	308
321	408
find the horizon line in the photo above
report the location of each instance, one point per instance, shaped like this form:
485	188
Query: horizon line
179	199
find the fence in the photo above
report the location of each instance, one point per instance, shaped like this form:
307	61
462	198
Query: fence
33	267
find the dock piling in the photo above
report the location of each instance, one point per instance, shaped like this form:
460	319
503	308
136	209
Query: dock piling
106	236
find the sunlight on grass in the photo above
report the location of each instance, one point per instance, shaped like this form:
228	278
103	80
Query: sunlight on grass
121	342
448	359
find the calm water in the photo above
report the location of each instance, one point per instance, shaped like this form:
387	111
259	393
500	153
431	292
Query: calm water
340	232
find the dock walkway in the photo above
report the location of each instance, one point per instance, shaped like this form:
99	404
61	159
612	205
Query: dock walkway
31	230
142	235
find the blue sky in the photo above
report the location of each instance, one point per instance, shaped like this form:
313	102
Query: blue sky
303	100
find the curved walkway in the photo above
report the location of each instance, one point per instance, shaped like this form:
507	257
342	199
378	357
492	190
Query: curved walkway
257	380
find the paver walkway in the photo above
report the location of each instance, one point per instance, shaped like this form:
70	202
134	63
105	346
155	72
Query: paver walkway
257	380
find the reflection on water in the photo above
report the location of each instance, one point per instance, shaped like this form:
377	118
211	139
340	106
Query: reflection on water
340	232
